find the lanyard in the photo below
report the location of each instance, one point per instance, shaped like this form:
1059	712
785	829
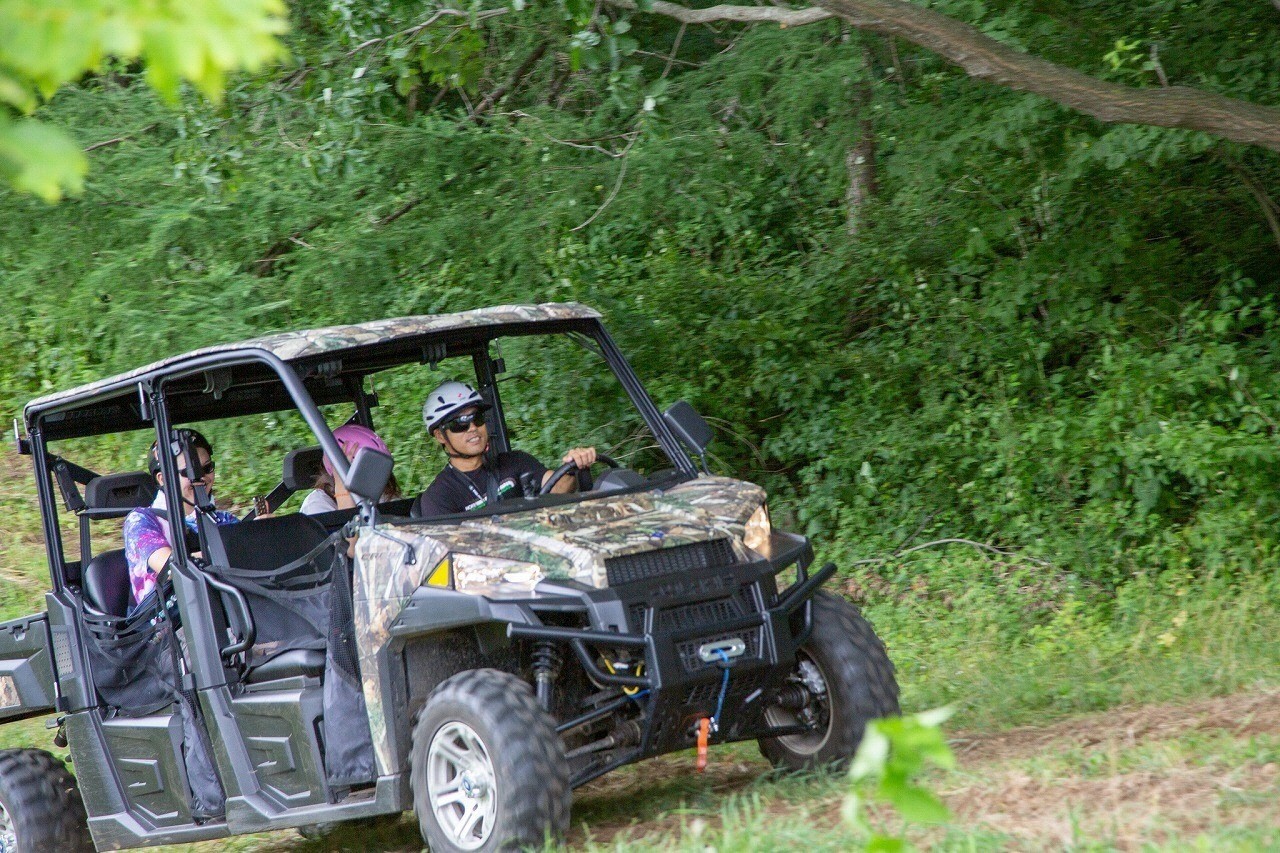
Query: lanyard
471	486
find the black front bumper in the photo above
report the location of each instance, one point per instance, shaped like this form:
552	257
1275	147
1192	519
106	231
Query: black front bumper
670	622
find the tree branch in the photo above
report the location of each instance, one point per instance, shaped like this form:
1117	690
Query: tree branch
109	142
982	546
737	14
417	28
497	94
1270	210
984	58
617	185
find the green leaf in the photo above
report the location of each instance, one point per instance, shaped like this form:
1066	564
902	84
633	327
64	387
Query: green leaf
869	761
40	159
916	804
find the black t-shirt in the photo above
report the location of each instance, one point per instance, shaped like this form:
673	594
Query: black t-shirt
454	491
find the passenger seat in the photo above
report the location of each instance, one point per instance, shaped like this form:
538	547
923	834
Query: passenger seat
104	580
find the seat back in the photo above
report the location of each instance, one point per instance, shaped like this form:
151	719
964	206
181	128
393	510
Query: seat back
104	580
269	543
115	495
105	583
302	467
289	604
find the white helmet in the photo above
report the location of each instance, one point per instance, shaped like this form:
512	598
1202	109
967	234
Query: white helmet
447	400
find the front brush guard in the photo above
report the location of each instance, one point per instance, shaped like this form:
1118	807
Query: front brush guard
789	601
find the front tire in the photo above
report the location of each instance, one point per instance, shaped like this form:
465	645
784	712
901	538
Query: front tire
849	679
488	769
40	805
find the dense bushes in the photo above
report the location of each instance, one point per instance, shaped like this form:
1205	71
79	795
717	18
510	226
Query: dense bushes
1045	333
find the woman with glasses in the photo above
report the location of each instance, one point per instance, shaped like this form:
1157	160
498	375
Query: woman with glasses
148	540
474	478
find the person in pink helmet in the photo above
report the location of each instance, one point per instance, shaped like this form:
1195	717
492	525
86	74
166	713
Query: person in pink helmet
330	493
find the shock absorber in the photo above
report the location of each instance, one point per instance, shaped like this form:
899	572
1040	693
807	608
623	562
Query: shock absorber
546	666
793	697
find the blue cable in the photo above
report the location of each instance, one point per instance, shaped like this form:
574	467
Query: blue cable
724	689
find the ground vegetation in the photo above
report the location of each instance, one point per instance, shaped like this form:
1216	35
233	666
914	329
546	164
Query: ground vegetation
917	307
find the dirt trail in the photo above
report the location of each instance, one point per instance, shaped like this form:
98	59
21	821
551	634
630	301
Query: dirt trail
1242	714
1085	784
1129	777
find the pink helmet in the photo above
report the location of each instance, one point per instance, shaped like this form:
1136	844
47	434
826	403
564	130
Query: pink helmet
353	437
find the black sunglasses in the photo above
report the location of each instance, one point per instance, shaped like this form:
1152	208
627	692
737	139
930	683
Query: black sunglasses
462	423
203	470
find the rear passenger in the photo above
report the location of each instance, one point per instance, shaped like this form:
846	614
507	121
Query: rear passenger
148	534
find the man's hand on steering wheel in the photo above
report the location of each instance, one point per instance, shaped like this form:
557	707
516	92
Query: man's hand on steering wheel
579	458
583	457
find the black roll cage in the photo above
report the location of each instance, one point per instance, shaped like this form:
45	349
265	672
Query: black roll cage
153	400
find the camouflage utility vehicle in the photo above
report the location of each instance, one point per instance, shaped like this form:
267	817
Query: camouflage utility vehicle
474	668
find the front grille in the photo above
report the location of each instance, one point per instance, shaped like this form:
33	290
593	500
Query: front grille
701	613
633	568
683	618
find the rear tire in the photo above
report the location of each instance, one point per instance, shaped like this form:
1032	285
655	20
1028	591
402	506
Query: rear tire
846	660
40	805
488	769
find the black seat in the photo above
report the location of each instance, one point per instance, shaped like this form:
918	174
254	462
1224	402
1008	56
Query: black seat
289	608
267	544
105	583
302	467
116	494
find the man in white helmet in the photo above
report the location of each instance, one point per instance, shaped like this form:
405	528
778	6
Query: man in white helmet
454	415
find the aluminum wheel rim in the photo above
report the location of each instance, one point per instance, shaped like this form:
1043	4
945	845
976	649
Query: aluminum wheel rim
8	837
813	742
461	785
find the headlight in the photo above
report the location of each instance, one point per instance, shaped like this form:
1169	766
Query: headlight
488	575
758	529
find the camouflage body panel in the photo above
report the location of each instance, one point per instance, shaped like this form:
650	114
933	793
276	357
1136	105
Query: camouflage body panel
310	342
568	542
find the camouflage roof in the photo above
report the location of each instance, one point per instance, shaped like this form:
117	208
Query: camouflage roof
310	342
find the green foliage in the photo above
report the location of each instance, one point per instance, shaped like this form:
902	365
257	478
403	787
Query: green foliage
893	753
46	44
1046	334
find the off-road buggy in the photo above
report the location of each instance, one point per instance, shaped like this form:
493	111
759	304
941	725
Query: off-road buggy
474	668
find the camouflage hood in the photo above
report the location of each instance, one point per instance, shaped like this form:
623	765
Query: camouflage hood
571	542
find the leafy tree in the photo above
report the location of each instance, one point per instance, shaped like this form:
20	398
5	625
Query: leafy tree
1045	333
45	44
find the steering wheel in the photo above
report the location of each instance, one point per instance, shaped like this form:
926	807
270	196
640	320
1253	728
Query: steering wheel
558	474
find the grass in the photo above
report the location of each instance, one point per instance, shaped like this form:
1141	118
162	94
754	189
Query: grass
1007	645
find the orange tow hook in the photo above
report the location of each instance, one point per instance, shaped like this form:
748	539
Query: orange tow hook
704	735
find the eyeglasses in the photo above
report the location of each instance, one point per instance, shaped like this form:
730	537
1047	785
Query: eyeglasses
203	470
462	423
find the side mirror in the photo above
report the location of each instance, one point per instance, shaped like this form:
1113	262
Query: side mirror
369	473
689	426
